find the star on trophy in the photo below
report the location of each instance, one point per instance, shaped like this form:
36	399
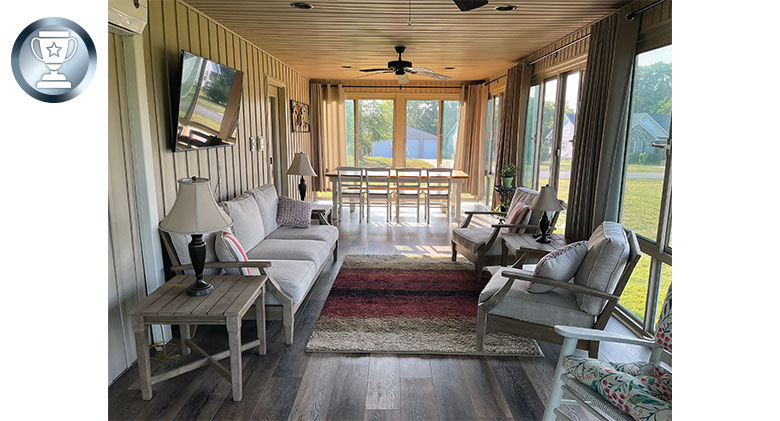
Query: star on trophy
53	46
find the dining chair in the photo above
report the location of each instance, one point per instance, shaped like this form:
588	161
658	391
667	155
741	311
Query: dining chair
351	188
438	187
408	190
378	190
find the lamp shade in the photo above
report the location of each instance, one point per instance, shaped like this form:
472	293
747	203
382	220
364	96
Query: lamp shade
301	165
547	200
195	211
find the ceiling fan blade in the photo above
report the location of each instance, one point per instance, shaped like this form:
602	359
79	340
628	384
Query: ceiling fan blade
374	70
433	75
418	69
403	79
466	5
372	74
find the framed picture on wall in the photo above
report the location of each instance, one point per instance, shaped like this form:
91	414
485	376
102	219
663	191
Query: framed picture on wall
300	116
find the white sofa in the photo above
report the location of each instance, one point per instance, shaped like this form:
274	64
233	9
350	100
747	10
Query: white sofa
297	255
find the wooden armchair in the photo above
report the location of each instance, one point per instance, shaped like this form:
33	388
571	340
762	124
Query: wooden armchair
479	244
506	305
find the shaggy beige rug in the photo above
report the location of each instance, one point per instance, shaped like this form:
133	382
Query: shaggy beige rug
408	305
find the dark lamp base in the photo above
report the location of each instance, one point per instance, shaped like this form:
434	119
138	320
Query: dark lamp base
200	288
543	239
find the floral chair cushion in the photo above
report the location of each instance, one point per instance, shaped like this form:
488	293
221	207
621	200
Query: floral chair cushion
625	391
663	333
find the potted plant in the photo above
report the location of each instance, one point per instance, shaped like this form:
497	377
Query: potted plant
508	175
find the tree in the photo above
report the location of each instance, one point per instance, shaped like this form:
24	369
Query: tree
375	124
653	89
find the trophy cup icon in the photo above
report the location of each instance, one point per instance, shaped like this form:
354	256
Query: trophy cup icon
53	46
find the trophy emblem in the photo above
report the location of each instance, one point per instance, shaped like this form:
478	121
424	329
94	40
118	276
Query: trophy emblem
53	47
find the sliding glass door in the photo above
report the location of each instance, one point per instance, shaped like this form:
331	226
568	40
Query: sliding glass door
528	174
491	141
431	133
647	192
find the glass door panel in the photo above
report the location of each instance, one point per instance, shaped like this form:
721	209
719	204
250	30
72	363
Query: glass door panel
422	133
571	97
375	132
529	142
449	132
547	131
349	113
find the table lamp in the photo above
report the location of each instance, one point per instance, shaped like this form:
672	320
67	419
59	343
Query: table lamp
547	201
195	212
301	166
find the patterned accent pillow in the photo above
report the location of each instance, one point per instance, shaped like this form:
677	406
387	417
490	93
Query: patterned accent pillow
663	334
229	249
520	214
624	391
293	212
655	377
560	265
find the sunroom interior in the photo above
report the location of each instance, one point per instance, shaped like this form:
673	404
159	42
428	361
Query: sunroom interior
567	98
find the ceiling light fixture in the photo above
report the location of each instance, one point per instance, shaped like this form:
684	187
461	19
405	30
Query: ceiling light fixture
449	68
301	5
506	8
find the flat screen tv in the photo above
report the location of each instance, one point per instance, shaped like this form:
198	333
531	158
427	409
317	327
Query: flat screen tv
207	104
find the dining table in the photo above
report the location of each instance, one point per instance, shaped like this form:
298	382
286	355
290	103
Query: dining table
458	179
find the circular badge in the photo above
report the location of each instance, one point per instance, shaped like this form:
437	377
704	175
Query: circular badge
53	59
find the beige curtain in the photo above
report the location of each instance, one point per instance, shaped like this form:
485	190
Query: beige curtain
470	150
511	119
328	131
594	195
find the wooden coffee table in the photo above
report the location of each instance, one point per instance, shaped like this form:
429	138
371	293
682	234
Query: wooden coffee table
232	297
525	246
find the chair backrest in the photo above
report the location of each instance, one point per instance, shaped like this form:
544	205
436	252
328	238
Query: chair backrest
350	178
439	181
663	332
633	258
408	180
377	180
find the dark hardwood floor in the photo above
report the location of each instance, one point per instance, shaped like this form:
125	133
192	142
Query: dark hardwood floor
288	383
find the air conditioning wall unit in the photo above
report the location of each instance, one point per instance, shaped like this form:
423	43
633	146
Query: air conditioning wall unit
127	17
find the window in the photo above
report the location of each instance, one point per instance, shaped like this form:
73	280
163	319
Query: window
647	190
491	140
547	131
431	133
369	127
527	177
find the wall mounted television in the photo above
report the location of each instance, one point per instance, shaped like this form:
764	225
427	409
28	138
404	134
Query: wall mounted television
206	104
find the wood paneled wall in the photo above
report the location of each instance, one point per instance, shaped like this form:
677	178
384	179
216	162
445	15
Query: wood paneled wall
391	86
174	26
126	282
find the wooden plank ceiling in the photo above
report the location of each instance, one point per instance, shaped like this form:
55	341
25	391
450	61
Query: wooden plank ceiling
362	33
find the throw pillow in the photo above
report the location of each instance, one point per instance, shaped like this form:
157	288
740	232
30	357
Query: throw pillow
229	249
293	212
520	214
559	265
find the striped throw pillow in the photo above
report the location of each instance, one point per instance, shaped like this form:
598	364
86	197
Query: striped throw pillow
520	214
229	249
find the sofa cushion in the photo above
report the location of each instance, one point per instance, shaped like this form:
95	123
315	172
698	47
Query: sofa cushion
271	249
608	252
247	222
291	212
557	307
229	249
559	265
293	276
327	233
474	237
268	202
181	245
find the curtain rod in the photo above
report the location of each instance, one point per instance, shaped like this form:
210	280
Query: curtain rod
638	12
555	51
399	86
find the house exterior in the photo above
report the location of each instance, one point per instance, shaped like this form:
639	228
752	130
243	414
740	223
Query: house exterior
645	130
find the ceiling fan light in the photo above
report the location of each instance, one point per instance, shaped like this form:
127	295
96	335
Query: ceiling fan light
506	8
301	5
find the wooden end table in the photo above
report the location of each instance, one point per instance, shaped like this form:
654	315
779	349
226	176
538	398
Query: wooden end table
232	297
323	212
524	246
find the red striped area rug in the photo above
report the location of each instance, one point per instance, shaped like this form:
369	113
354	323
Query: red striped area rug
408	304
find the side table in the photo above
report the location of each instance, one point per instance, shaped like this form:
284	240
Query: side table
524	246
323	212
232	297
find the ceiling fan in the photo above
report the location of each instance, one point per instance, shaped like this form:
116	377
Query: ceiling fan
466	5
401	68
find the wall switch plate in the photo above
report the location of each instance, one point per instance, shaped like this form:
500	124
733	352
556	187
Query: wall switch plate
252	144
262	142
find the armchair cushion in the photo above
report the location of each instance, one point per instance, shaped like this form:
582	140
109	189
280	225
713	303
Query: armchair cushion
229	249
474	238
247	222
622	390
296	213
560	265
608	252
663	333
557	307
268	203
